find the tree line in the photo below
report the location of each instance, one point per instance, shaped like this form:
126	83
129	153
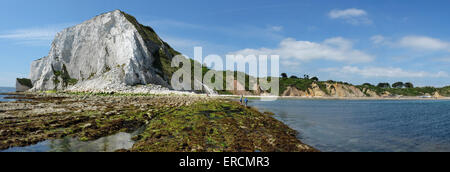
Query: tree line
394	85
380	85
285	76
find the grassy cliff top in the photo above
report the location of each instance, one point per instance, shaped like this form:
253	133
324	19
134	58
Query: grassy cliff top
25	81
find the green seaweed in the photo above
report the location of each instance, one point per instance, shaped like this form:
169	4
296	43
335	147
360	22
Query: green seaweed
216	126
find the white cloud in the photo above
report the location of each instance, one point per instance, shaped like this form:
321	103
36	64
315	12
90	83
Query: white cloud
276	28
270	31
30	34
413	42
33	36
352	12
388	72
334	49
36	33
352	15
423	43
378	39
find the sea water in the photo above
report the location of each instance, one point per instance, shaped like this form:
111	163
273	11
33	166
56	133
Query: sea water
366	125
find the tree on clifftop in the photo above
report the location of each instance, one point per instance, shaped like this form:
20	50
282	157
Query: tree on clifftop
384	85
306	76
284	75
368	85
398	85
408	85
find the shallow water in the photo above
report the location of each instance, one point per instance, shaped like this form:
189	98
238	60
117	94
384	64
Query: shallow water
366	125
6	90
106	144
4	100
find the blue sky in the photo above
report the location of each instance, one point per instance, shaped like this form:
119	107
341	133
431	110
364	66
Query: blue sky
353	41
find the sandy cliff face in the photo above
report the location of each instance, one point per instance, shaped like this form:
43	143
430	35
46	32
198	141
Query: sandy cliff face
315	91
292	91
332	90
437	95
370	92
341	90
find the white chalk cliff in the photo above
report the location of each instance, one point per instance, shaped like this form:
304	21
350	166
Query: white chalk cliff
111	52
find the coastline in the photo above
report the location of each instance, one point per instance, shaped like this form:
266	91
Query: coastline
173	123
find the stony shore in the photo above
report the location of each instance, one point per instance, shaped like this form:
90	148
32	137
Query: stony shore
173	123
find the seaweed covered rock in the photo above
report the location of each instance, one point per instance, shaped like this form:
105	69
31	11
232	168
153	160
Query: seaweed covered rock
217	126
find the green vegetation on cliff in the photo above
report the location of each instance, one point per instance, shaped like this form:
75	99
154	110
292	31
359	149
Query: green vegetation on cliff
147	33
164	54
64	77
417	91
302	84
398	88
163	58
25	82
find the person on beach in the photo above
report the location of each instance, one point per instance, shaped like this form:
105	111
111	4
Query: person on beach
242	99
246	102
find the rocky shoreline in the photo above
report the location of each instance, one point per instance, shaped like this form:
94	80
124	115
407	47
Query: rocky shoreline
173	123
